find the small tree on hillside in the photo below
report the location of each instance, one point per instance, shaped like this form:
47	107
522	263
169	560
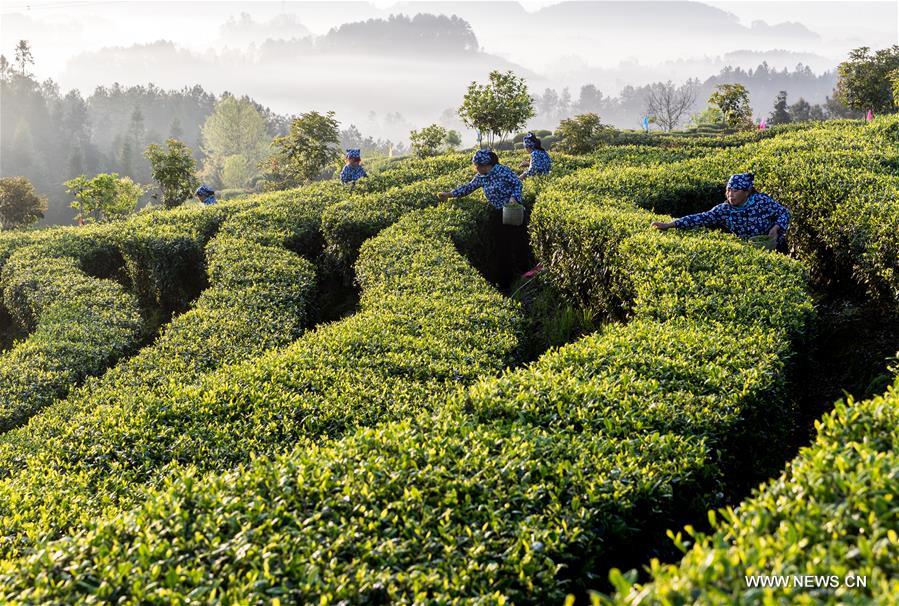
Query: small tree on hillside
234	128
667	104
173	169
780	114
303	154
104	197
863	80
801	111
453	140
498	108
20	204
582	134
733	101
24	58
432	140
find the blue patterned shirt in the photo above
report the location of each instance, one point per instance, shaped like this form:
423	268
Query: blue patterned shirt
352	173
540	163
500	184
210	199
755	217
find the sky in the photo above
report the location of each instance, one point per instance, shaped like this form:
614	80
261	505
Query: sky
609	44
59	29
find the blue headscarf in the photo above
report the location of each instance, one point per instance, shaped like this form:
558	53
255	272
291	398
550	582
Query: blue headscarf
354	154
530	140
741	181
482	156
204	191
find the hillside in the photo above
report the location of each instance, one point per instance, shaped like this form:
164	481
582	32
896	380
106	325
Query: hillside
328	396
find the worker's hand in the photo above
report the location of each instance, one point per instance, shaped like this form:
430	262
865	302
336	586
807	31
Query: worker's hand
524	164
662	225
444	195
774	232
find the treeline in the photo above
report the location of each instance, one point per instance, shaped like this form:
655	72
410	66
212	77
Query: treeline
51	137
763	83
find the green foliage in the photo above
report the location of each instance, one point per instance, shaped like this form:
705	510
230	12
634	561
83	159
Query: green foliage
173	169
79	325
302	155
864	79
361	461
780	114
497	108
894	80
582	134
427	322
733	102
238	172
710	116
236	134
104	197
20	204
432	140
832	512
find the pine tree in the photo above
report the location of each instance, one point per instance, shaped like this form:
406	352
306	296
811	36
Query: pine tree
780	115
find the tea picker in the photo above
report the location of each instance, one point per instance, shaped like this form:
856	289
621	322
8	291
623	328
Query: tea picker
205	194
502	188
540	163
352	170
747	213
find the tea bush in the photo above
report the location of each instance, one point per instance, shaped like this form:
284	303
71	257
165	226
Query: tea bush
832	512
427	321
380	458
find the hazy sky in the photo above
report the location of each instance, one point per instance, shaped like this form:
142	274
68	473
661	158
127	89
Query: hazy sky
61	29
609	44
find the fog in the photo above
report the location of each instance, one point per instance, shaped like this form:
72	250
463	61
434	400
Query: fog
222	46
86	105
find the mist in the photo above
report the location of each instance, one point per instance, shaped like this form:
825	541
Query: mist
387	68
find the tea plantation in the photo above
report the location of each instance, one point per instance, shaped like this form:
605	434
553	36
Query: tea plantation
318	396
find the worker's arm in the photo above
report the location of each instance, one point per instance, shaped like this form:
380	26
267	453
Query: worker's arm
781	214
710	218
463	190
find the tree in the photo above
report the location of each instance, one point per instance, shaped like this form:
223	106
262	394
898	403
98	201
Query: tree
668	104
710	116
816	112
105	197
582	133
894	78
433	139
235	128
733	101
24	58
863	80
173	169
452	140
4	68
781	114
238	172
834	108
800	111
20	204
498	108
304	153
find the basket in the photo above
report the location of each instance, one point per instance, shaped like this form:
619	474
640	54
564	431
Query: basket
513	214
764	241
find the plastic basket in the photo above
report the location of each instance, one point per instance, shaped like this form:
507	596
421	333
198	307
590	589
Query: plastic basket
513	214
